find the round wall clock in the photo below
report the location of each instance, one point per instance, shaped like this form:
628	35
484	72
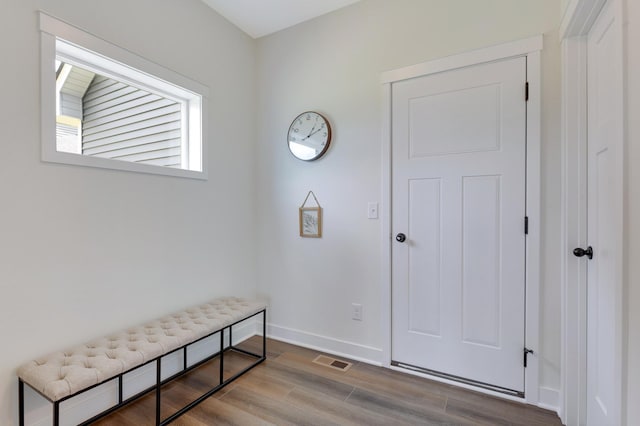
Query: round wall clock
309	136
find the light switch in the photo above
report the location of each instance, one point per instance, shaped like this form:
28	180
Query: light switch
372	211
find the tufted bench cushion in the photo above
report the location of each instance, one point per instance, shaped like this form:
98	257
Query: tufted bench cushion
67	372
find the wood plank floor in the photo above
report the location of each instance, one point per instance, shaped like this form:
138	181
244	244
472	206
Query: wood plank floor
290	389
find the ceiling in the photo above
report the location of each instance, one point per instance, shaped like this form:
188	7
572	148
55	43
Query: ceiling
262	17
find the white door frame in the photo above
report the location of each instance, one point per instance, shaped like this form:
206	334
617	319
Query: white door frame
576	25
531	48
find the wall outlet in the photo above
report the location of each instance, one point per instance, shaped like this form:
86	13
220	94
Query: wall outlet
356	311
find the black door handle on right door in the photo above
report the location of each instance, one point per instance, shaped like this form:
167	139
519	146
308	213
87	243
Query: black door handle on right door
580	252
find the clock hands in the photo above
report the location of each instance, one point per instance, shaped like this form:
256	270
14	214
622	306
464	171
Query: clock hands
313	133
312	130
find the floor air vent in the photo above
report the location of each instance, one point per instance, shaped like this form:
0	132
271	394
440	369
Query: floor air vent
332	362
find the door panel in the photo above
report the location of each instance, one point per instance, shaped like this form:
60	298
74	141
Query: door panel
432	133
481	253
458	172
425	280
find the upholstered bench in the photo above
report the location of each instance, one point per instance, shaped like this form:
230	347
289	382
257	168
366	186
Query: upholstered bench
64	374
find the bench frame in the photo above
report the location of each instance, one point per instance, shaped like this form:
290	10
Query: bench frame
159	382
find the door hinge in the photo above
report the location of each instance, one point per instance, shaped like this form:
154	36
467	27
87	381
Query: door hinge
526	225
526	91
527	351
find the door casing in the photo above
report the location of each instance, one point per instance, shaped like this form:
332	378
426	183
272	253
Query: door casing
530	48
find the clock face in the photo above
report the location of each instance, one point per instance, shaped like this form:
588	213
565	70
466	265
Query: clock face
309	136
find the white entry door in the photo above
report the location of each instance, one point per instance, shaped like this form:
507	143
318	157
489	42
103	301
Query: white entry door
458	191
604	219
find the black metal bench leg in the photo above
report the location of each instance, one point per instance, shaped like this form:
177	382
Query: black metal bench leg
184	358
21	402
56	413
158	388
264	334
221	356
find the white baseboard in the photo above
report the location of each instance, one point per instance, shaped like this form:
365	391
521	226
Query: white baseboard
549	399
326	344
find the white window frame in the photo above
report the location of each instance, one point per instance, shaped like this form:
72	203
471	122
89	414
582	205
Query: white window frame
90	52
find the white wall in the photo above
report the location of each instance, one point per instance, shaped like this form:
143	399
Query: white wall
632	224
87	251
333	65
564	4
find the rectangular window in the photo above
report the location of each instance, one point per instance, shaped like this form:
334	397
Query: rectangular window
114	109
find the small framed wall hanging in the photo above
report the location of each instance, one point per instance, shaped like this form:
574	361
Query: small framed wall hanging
310	219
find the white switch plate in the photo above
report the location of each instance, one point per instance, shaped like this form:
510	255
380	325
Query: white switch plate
356	313
372	211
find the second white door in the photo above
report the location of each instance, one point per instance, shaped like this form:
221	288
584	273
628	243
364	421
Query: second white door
459	182
605	218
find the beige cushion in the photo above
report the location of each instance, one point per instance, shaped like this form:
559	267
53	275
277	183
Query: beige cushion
64	373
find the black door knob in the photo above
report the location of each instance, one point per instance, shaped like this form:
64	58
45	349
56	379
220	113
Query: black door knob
401	238
579	252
